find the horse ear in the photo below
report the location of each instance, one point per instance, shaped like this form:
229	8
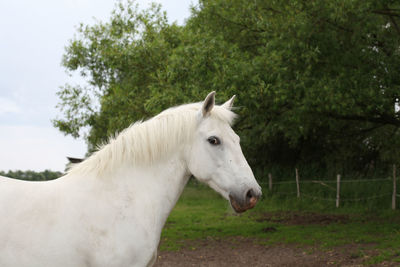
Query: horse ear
229	104
208	104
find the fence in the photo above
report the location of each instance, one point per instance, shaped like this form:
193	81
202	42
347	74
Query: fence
338	183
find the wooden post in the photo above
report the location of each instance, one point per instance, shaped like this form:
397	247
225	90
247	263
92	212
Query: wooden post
297	183
270	182
394	188
337	190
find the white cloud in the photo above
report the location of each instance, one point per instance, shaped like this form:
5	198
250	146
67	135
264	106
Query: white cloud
36	148
34	34
8	106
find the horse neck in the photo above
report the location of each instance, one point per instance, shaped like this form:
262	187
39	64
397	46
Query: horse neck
156	188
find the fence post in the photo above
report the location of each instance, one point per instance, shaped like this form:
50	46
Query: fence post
394	188
337	190
270	182
297	183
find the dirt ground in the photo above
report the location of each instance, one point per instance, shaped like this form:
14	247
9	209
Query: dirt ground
241	251
245	252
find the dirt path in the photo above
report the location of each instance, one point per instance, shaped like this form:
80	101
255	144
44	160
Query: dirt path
245	252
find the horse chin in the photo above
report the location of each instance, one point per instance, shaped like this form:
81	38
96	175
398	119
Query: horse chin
240	208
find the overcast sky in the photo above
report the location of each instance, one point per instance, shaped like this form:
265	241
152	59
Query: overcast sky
33	35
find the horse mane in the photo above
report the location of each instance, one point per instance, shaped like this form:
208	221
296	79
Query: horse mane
145	142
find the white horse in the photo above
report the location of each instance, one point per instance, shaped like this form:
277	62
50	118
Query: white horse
110	209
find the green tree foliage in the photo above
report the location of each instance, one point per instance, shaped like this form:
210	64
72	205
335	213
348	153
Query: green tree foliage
316	81
32	175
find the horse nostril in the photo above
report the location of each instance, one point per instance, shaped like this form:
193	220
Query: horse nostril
249	194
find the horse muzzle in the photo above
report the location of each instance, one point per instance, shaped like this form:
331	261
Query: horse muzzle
246	202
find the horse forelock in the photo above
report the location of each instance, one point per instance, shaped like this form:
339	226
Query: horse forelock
145	142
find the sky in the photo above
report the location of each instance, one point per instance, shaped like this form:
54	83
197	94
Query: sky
33	35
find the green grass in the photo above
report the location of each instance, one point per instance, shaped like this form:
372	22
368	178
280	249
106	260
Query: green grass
201	213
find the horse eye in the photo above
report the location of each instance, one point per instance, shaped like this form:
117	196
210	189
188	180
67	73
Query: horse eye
214	140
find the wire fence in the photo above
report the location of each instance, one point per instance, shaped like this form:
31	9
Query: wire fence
387	185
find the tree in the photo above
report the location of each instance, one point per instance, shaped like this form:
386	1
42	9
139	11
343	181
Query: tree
120	60
316	81
32	175
325	72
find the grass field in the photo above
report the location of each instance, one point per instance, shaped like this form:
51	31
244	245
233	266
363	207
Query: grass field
201	213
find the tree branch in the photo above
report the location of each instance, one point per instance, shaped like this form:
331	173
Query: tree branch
387	12
382	119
